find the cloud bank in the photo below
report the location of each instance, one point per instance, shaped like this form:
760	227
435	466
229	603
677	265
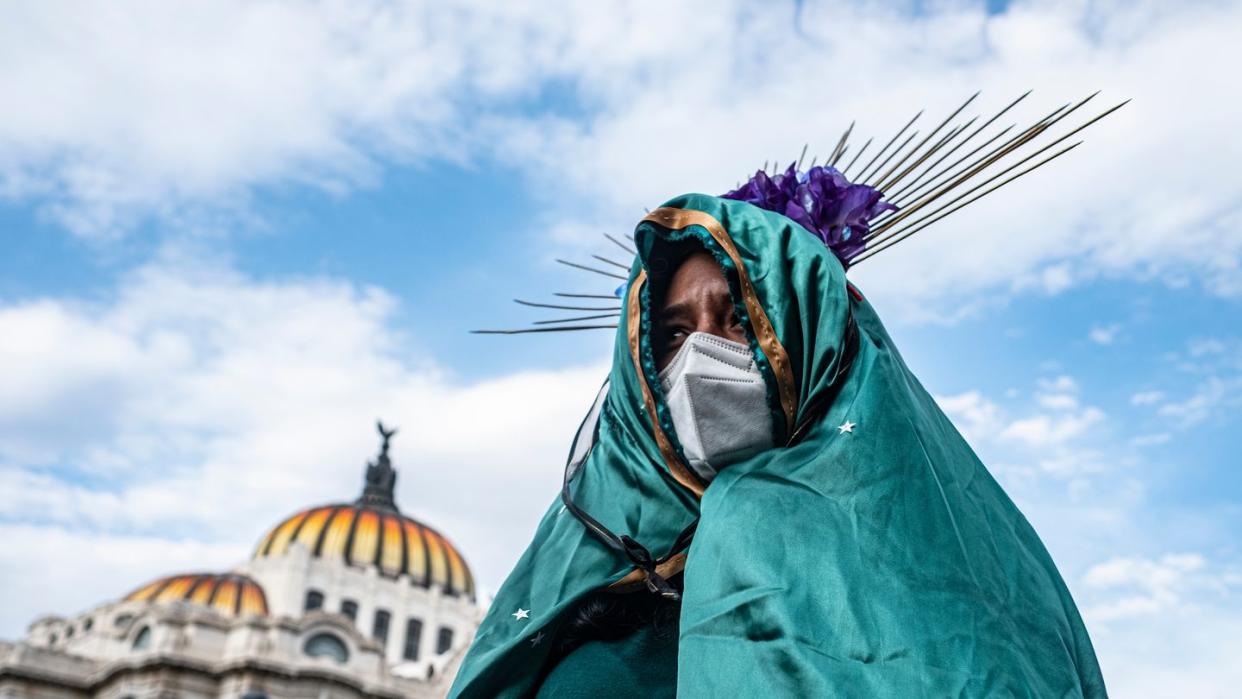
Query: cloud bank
136	112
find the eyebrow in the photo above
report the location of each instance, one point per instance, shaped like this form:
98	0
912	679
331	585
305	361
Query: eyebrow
683	309
675	311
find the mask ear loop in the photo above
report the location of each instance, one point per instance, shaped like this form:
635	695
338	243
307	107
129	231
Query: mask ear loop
624	545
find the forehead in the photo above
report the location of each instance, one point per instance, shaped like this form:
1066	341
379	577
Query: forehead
698	280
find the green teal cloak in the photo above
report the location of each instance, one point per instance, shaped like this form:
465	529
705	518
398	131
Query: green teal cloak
875	556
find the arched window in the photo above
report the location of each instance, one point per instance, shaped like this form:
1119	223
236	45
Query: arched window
328	645
444	640
379	631
413	634
122	619
143	640
350	609
86	625
314	600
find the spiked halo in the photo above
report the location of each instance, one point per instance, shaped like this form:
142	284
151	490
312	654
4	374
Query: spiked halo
908	181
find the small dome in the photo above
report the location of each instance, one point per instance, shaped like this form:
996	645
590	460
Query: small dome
372	531
363	535
231	594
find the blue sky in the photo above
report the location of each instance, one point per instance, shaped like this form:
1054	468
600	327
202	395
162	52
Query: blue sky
234	234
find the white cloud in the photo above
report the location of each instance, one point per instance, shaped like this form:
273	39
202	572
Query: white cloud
1052	430
1205	346
197	407
1054	438
63	571
1148	440
1146	397
1127	587
973	414
1073	223
1164	626
1104	334
128	110
133	110
1200	405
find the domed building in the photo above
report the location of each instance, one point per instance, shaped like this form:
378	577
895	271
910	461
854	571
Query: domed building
350	599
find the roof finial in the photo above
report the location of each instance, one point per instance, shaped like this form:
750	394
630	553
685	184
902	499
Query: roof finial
381	479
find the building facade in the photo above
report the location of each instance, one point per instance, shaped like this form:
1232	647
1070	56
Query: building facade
351	599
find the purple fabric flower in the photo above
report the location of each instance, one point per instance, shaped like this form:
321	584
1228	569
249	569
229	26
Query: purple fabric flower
822	201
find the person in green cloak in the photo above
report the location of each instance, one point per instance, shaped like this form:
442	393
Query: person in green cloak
764	501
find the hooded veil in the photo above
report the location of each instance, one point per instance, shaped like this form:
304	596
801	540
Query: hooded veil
869	554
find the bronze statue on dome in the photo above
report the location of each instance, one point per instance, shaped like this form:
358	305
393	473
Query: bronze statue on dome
381	478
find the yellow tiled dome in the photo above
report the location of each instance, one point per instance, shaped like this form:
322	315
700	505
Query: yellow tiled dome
372	532
231	594
363	535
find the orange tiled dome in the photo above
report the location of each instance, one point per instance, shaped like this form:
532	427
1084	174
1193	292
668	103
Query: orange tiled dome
231	594
371	531
365	535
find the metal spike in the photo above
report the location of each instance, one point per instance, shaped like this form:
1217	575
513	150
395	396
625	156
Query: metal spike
927	153
922	176
949	175
614	263
566	295
883	180
856	156
886	145
524	331
575	265
813	159
897	199
1038	127
906	233
560	307
579	319
961	196
842	153
837	149
885	222
988	161
620	244
801	156
904	143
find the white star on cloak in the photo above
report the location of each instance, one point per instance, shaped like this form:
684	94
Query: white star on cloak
536	639
847	426
521	614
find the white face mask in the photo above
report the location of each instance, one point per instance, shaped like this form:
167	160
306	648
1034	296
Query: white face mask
718	401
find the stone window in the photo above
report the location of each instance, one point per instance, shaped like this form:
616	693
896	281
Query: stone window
326	645
413	636
379	630
143	640
444	640
349	608
314	600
